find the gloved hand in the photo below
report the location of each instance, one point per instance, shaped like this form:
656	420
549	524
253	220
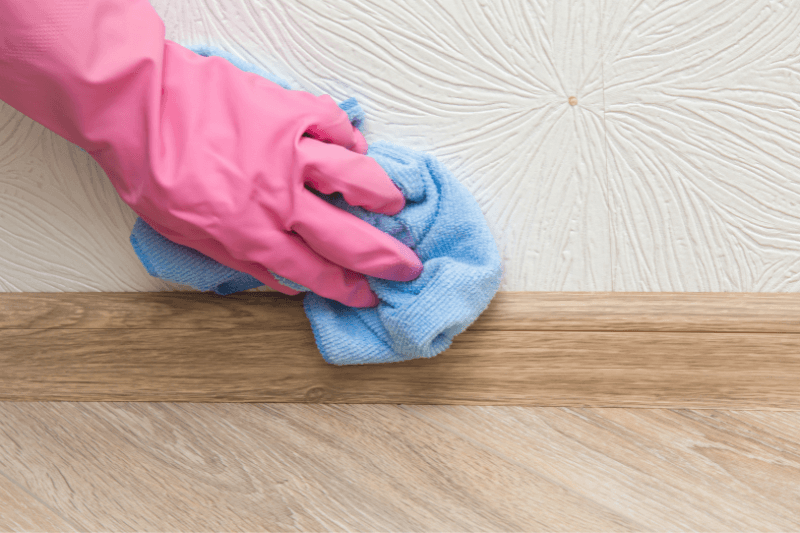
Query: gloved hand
210	156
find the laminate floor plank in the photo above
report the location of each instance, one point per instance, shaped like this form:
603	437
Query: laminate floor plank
19	511
290	467
299	467
667	469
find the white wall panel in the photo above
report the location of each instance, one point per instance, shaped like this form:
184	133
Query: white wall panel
703	142
63	227
677	170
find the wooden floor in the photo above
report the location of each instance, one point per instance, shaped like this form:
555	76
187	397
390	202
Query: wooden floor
297	467
552	412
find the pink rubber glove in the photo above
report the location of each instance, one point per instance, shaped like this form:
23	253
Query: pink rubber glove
211	157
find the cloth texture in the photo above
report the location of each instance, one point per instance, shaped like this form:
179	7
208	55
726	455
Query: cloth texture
441	222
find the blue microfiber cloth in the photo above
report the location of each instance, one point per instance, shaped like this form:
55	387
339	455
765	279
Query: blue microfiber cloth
441	222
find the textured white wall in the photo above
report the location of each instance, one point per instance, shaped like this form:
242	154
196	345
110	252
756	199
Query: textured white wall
677	170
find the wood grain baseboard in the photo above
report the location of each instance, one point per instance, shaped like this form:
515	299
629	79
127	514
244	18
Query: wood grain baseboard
668	350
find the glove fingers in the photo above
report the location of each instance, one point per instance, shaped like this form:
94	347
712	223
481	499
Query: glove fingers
332	125
361	180
348	241
304	266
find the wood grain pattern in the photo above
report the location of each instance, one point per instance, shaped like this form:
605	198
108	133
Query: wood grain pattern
20	511
512	311
185	467
668	470
293	467
566	349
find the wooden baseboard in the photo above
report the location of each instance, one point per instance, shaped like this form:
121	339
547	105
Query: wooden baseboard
669	350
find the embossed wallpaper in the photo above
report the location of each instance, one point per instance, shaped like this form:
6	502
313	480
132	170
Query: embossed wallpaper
614	145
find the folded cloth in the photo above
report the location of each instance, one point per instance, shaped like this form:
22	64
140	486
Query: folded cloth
441	222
